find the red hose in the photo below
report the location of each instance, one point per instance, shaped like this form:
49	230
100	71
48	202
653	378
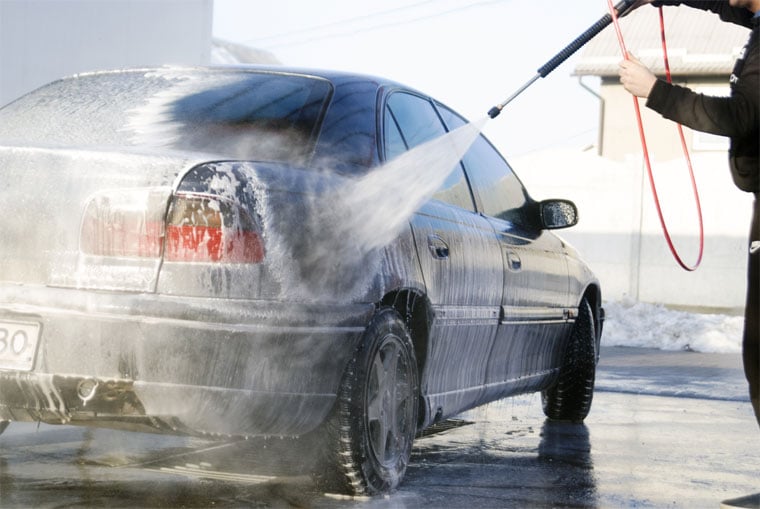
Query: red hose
645	150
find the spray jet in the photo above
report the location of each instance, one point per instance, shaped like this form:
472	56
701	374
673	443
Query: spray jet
620	9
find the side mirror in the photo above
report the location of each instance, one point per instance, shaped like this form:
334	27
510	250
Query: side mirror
556	214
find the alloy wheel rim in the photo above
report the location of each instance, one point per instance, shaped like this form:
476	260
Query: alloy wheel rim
389	402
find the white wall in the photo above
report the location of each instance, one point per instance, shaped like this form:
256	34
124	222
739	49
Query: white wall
42	40
620	236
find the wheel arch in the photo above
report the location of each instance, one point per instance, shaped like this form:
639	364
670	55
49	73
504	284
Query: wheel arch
593	295
414	307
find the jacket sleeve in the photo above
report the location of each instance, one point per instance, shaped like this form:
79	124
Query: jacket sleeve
738	15
733	116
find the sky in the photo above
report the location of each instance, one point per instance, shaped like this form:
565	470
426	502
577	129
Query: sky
469	54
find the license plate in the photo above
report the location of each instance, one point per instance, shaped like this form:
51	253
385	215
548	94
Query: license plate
18	345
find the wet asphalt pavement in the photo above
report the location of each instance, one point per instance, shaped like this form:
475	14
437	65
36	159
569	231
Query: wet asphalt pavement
667	429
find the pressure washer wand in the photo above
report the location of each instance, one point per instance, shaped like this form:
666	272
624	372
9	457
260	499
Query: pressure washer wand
563	55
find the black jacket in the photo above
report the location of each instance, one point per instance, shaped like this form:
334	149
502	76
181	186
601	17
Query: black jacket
736	116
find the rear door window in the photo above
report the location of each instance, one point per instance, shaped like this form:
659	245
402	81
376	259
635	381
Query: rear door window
411	120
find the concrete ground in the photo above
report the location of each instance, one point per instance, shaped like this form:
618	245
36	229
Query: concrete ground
667	429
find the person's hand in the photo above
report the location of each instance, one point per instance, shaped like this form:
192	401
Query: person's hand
636	77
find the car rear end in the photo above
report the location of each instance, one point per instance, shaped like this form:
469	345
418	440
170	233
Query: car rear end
137	286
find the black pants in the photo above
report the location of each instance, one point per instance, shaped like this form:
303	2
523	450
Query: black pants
751	342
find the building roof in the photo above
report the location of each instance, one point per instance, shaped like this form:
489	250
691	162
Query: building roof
698	42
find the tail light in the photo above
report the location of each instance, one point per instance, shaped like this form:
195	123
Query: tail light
125	223
204	228
197	228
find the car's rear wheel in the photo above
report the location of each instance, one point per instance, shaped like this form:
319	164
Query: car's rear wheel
570	398
370	432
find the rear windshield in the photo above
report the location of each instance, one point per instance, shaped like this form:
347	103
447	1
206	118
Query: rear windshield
239	115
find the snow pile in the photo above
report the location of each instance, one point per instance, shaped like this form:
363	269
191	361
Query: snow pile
638	324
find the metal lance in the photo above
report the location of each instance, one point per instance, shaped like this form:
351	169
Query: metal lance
621	8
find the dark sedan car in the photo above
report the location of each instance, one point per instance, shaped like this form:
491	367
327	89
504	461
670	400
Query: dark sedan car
270	251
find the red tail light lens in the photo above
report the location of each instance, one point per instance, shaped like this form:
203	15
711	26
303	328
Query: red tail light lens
203	228
198	228
125	223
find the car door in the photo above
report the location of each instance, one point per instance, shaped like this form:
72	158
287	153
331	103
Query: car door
535	303
461	264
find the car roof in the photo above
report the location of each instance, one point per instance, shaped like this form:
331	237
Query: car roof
328	74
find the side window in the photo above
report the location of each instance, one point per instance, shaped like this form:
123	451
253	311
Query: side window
415	117
498	190
411	120
394	142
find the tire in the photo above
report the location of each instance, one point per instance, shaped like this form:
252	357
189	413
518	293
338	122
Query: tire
368	437
3	425
570	398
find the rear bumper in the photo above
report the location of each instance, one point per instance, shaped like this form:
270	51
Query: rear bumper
175	364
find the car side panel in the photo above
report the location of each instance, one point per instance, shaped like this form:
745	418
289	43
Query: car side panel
536	313
461	264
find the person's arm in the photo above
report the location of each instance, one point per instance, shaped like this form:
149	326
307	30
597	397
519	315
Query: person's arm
737	15
730	116
725	116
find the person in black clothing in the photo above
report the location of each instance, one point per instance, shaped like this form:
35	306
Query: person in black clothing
736	116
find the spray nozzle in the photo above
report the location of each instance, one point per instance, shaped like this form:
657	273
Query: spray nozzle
494	112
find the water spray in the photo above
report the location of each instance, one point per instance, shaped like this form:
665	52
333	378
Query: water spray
543	71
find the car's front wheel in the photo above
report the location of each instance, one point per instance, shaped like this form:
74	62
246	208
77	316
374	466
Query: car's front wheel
370	432
570	398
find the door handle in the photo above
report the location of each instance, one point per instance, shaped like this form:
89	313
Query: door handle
438	247
514	263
